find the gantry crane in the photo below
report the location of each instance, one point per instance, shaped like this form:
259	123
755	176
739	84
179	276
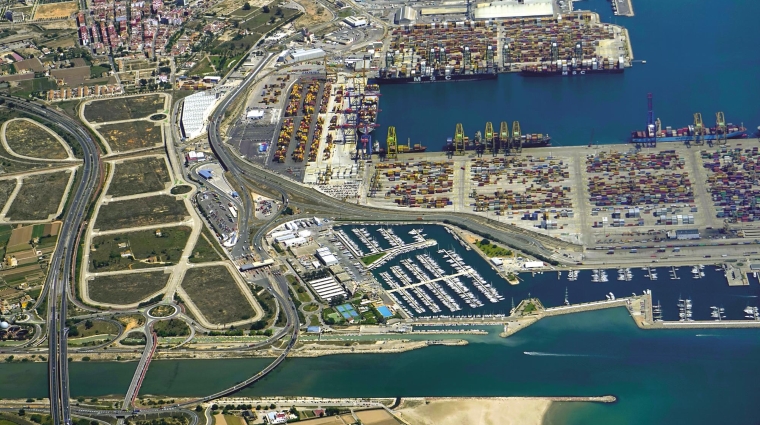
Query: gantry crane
489	140
392	143
516	141
504	137
699	130
459	146
721	129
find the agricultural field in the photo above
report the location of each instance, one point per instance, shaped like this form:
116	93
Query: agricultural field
128	288
216	294
142	175
123	108
55	10
138	250
205	249
6	188
149	211
28	138
39	197
129	136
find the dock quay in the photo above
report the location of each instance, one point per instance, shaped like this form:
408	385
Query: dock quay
403	249
414	285
622	7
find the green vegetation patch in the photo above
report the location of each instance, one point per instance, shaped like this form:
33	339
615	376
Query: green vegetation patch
31	139
492	250
128	288
181	190
123	108
171	327
6	188
529	308
149	211
141	175
129	136
369	259
162	310
205	251
138	250
90	328
216	294
201	68
39	197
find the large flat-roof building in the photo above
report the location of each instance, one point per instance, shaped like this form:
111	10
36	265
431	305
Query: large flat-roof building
195	111
327	288
302	55
502	9
356	21
406	15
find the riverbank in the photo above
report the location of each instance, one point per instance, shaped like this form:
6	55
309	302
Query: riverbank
483	410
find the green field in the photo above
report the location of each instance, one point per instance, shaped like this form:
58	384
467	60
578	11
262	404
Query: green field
171	327
128	136
492	250
181	189
369	259
27	87
89	328
140	175
149	211
216	294
123	108
30	139
205	249
127	288
39	197
144	245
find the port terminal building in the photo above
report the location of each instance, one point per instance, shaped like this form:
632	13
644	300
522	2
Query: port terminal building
503	9
195	111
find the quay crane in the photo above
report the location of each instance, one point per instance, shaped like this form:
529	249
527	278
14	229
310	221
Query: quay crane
391	143
721	129
490	140
504	137
459	146
699	130
516	142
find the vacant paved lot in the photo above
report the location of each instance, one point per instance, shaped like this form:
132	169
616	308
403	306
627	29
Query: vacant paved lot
39	197
126	288
147	249
131	135
215	292
140	175
30	139
153	210
124	108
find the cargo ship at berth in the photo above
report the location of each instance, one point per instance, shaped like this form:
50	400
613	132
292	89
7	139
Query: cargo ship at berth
399	78
572	68
696	132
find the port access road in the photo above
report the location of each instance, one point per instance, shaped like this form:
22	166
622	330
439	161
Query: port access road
57	282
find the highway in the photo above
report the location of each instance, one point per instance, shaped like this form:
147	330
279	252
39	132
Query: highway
63	258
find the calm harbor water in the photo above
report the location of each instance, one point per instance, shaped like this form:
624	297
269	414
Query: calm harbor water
697	61
705	292
675	376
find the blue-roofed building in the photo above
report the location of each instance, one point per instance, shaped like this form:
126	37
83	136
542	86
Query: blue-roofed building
206	174
313	329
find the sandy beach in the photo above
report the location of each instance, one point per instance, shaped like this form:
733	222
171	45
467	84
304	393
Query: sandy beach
502	411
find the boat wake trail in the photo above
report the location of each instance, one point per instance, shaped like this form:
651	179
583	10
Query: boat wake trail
746	296
708	335
540	354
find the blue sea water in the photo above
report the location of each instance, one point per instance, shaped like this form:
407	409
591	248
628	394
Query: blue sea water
699	59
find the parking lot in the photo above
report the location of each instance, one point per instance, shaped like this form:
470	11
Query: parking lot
219	212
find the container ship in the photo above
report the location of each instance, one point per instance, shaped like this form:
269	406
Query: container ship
526	141
687	134
400	78
574	67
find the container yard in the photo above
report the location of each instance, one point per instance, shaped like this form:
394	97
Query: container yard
413	184
732	182
545	45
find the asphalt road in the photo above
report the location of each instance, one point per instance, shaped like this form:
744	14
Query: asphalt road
62	260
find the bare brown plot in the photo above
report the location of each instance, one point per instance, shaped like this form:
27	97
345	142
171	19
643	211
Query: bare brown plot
28	138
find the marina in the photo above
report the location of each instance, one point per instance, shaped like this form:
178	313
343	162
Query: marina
452	282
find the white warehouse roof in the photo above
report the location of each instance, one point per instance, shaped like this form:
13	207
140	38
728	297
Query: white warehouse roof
195	111
255	113
513	9
533	264
305	55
